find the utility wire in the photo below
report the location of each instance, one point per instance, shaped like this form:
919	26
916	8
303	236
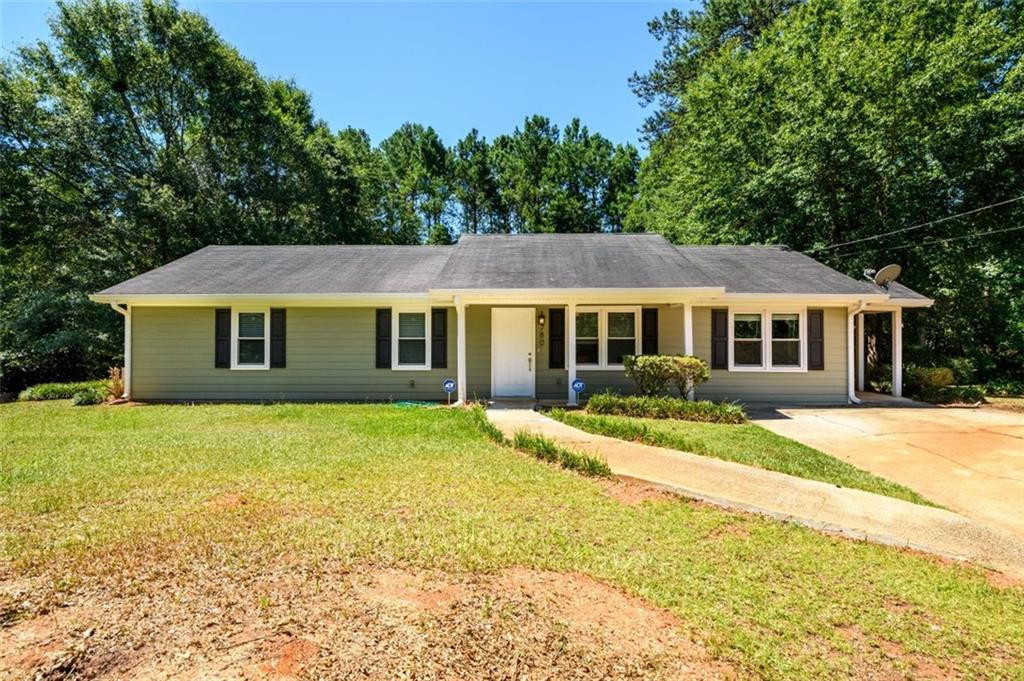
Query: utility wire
929	243
917	226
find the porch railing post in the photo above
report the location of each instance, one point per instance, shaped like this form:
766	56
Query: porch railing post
570	350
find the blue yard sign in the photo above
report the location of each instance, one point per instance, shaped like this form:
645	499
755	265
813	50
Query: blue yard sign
579	386
449	385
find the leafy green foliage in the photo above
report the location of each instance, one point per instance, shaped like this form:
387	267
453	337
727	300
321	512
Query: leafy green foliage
546	450
929	378
59	391
654	374
137	135
650	407
743	443
822	122
89	396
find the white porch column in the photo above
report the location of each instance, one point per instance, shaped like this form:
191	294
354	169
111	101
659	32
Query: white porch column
570	349
688	336
897	352
860	352
127	352
460	350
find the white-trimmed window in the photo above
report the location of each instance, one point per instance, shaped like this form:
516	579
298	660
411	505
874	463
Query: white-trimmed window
604	335
250	338
410	339
767	340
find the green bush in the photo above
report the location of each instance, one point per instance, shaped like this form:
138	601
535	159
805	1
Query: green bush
87	396
1004	388
59	391
954	394
655	374
652	373
665	408
546	450
927	379
964	370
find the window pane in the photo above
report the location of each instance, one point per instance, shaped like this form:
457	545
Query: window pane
785	326
786	353
618	348
412	352
412	325
251	351
250	325
586	325
586	351
747	326
621	325
747	353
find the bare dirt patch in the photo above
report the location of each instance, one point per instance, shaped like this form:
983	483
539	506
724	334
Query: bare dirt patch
889	660
204	621
632	492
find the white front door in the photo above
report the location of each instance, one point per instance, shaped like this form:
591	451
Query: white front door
512	352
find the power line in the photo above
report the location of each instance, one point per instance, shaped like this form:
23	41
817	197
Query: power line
929	243
917	226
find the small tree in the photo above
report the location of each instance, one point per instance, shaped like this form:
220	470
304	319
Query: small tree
689	373
651	373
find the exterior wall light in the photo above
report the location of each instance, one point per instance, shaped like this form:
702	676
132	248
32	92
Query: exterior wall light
541	319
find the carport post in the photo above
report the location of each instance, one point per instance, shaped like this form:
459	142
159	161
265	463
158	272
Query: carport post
860	352
897	352
460	350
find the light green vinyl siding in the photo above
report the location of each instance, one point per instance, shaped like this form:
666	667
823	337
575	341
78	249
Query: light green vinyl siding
330	356
808	387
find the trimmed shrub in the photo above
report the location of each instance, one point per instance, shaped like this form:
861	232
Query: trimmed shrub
963	370
546	450
665	408
690	372
653	374
59	391
88	396
955	394
928	379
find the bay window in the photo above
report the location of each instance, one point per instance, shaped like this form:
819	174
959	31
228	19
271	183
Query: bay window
605	335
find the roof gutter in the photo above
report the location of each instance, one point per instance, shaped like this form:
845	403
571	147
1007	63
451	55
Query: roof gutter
851	360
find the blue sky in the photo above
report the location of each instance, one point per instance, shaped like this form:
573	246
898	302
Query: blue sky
454	66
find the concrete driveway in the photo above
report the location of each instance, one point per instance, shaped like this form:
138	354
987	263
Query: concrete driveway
968	460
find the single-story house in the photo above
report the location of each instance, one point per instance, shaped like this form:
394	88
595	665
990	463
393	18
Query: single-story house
504	316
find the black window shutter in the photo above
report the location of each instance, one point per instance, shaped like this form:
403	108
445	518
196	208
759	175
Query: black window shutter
222	338
649	342
439	338
278	324
719	339
384	338
816	340
556	348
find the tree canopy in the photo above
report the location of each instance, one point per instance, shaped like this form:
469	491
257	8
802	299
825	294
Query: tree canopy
137	135
821	123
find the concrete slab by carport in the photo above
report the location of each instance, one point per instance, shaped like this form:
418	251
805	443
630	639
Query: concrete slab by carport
968	460
816	504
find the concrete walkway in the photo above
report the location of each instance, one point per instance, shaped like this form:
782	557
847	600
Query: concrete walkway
819	505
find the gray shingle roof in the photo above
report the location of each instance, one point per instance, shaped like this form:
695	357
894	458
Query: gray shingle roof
498	261
777	269
569	261
294	270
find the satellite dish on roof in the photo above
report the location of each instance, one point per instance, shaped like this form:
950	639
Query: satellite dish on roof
887	274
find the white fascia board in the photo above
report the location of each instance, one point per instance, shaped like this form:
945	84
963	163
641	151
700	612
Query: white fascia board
777	299
281	300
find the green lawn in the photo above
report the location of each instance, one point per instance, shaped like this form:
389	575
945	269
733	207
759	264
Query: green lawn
87	490
747	444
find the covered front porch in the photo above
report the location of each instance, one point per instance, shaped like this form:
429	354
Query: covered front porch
539	347
879	336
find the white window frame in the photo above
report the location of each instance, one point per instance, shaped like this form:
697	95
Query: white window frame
417	309
602	334
250	309
766	338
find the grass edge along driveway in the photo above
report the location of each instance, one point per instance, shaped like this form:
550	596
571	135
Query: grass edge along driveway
88	490
746	443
